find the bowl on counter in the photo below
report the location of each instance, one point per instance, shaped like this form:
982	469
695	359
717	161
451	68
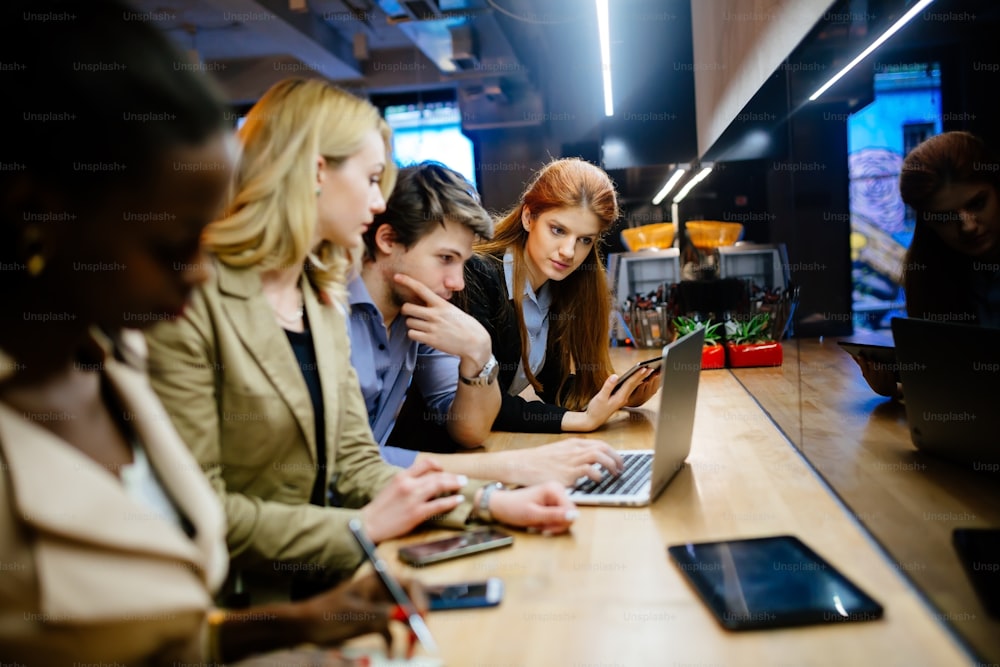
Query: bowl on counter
712	234
656	235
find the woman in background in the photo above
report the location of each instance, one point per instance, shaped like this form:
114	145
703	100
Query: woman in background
111	540
256	374
952	181
539	288
952	267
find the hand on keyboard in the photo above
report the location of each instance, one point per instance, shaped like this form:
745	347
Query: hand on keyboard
637	470
604	472
563	461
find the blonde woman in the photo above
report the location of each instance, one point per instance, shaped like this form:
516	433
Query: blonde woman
257	376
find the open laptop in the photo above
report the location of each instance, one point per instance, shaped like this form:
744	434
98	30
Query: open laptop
647	472
951	388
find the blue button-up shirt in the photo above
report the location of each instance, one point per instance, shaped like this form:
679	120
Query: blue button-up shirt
386	361
536	320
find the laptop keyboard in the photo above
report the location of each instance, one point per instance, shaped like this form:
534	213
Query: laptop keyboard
638	469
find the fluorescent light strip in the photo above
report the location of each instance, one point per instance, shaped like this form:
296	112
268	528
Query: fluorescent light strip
668	186
878	42
690	184
605	39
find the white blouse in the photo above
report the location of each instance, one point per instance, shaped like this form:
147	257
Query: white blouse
143	486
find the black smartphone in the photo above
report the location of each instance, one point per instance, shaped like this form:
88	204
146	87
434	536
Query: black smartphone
654	363
466	543
881	353
771	582
979	549
465	595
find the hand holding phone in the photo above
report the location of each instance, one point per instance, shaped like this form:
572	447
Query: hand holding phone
654	364
466	543
466	595
878	366
882	354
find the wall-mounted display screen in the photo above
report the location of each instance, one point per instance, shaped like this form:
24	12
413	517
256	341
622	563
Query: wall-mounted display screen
431	131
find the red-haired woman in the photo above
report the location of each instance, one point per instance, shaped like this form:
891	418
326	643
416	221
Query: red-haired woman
952	268
539	288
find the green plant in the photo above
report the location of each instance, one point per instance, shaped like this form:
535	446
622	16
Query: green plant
685	325
754	330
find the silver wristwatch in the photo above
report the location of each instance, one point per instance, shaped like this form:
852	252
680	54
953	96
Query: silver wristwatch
483	512
486	376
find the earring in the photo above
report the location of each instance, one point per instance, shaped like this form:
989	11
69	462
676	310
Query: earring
32	245
319	191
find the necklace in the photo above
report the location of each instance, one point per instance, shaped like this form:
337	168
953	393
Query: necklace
296	317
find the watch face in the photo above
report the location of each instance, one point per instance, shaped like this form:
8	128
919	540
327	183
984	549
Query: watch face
486	376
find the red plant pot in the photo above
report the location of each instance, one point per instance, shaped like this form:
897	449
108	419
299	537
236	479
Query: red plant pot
713	356
754	354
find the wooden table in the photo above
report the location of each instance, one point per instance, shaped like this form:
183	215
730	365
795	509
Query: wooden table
607	594
910	502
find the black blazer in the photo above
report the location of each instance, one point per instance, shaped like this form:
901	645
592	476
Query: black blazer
487	300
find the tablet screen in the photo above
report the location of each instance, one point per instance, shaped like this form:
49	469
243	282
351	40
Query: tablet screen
771	582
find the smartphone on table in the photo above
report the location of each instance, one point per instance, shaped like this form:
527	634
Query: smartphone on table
469	542
771	582
465	595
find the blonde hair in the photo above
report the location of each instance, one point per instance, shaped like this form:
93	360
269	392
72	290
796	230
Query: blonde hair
270	219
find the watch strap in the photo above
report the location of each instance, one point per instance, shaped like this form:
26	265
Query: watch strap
486	376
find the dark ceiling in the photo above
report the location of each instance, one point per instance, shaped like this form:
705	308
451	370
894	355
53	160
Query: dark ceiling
953	33
514	63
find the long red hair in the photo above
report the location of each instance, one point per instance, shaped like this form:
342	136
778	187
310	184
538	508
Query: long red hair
579	317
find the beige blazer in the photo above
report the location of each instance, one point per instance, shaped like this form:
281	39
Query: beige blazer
87	575
230	381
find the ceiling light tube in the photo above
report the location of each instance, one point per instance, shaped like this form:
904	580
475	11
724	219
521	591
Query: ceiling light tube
693	182
878	42
605	40
669	185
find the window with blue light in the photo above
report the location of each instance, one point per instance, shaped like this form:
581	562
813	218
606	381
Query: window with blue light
424	127
906	110
431	131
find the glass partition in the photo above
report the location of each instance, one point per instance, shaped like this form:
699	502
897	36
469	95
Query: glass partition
833	195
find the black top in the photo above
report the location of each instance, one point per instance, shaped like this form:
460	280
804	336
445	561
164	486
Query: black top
305	354
305	585
488	301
